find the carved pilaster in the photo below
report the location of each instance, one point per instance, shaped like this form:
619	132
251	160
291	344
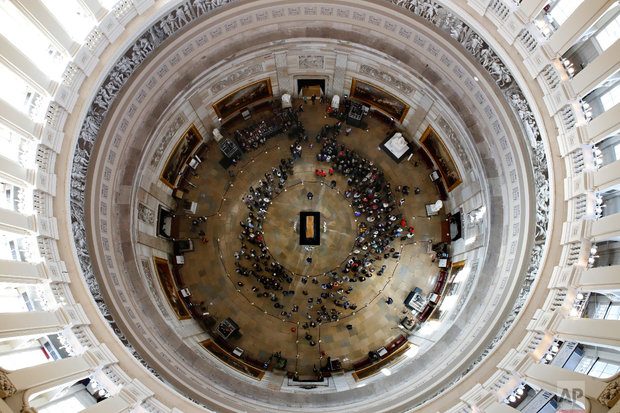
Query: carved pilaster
339	71
284	81
610	396
6	386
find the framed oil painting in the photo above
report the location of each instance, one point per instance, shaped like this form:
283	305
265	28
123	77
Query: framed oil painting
243	97
456	268
379	98
184	148
168	286
442	158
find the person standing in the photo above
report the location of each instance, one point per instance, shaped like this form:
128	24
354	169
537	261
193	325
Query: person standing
310	196
347	131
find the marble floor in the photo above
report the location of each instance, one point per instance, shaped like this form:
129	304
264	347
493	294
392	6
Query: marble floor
210	274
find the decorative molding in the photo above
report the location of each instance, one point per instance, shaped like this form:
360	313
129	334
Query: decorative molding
448	22
190	10
611	394
455	143
387	78
145	214
109	89
165	140
153	286
311	62
7	388
236	77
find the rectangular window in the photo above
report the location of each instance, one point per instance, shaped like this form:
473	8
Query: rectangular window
609	34
613	312
611	98
20	359
19	247
31	41
603	369
617	151
73	17
563	9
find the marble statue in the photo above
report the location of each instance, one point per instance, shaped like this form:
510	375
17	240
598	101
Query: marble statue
335	102
286	101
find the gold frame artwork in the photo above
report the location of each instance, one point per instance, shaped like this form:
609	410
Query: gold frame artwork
230	360
376	101
240	99
456	266
170	289
179	156
432	143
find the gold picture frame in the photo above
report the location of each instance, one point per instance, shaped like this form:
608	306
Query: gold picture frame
169	287
379	98
183	150
236	363
437	150
455	268
243	97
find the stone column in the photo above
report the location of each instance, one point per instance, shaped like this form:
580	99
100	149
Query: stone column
36	11
15	173
41	322
604	229
18	120
602	126
423	105
569	384
22	383
284	80
603	66
577	23
339	74
17	223
480	6
130	396
22	272
600	279
603	333
95	8
606	177
528	9
32	323
11	56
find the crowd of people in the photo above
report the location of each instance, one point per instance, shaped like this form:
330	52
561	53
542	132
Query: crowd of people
256	135
371	198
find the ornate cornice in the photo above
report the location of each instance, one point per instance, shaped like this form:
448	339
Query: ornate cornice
187	13
445	20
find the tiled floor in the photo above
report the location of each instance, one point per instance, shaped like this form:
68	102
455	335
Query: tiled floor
209	271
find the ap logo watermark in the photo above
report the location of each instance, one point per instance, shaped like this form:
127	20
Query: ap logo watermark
575	391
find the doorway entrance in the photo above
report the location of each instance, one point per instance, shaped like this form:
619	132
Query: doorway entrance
309	87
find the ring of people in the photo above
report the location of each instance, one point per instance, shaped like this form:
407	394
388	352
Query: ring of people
314	239
270	256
